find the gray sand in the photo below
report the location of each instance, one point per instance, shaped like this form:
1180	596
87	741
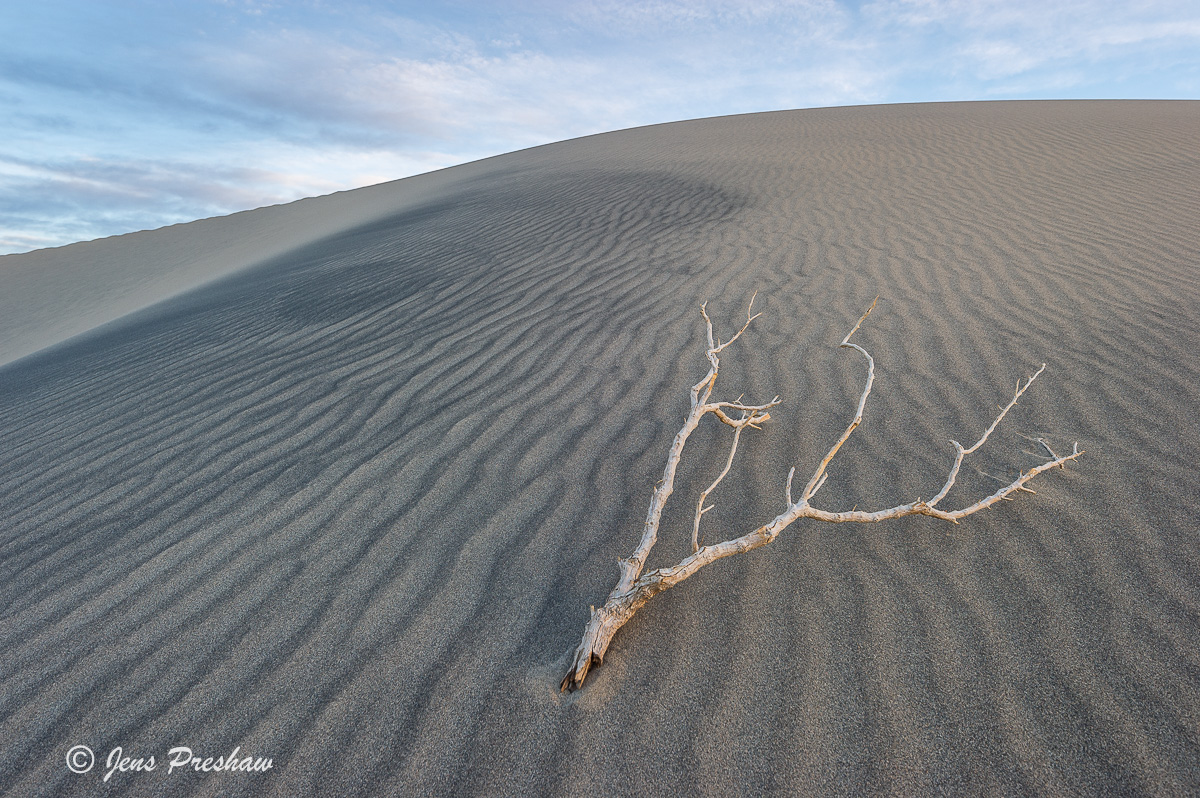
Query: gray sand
346	501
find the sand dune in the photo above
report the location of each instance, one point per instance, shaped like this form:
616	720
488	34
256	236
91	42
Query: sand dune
339	487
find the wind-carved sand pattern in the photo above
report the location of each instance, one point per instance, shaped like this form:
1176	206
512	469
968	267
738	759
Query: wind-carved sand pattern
347	506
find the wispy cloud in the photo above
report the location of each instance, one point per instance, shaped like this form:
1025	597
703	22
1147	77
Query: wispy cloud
334	92
987	41
46	203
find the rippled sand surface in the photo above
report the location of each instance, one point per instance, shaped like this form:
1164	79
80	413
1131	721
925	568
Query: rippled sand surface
346	505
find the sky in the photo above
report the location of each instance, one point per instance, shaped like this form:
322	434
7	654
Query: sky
120	115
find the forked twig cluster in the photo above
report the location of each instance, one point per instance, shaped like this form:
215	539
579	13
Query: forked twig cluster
634	588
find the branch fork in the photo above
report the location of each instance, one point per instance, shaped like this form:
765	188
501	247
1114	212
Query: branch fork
634	589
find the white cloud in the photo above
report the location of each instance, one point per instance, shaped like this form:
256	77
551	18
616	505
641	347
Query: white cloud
1001	59
357	94
1133	34
688	12
1050	46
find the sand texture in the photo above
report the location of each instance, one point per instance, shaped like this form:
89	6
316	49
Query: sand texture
347	504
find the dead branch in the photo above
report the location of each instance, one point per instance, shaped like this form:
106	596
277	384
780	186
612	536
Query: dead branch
634	588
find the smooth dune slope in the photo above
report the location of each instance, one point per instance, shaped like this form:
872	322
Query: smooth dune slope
51	295
347	507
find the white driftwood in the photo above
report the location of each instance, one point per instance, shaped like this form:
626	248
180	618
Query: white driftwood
634	589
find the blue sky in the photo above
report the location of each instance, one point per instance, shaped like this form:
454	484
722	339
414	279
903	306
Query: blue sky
124	115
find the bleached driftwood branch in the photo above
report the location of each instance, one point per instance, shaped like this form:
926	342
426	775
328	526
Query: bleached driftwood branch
634	589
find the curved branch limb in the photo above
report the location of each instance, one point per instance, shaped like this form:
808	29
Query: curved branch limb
700	508
1017	484
817	476
1046	446
926	508
720	347
820	482
631	567
604	622
755	419
623	601
716	407
963	452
